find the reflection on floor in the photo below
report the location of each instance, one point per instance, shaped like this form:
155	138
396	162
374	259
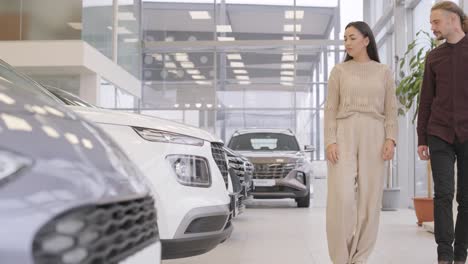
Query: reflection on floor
276	232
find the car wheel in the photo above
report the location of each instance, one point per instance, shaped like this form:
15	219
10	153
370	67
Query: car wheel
303	202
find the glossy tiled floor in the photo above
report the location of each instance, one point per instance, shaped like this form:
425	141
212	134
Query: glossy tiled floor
276	232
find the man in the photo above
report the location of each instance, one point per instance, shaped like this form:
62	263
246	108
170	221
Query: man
443	128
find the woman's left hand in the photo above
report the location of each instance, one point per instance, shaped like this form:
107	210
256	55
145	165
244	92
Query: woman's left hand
388	149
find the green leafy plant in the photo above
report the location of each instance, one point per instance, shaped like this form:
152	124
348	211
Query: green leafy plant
409	87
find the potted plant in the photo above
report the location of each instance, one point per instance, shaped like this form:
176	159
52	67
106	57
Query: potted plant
408	92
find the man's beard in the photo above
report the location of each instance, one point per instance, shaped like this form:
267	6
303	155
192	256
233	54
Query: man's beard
439	36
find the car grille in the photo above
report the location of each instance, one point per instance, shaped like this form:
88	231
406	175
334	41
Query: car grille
272	171
105	233
220	158
237	165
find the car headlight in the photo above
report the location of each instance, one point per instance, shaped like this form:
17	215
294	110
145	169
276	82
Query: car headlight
300	162
167	137
191	170
11	163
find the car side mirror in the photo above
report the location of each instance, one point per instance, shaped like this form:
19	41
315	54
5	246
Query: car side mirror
309	148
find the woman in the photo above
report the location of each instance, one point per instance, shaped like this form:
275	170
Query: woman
360	135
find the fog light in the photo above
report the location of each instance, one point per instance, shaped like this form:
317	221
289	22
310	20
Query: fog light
300	177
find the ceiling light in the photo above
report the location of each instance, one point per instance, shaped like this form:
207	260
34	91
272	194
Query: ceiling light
287	66
198	77
234	56
157	56
290	73
244	82
290	28
200	15
240	71
289	14
196	72
187	64
203	82
187	105
226	38
223	28
75	25
237	64
181	57
287	78
209	105
176	105
198	105
130	40
291	38
169	39
286	83
121	30
242	77
288	57
170	65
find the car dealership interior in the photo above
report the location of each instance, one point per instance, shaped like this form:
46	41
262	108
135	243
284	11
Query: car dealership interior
195	132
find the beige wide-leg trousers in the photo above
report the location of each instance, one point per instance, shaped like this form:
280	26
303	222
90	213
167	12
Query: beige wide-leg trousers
355	186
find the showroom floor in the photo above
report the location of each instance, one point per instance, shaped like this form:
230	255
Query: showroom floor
276	232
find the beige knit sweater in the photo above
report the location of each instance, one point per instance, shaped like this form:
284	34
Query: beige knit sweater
361	87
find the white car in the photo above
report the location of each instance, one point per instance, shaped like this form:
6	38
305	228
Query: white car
187	168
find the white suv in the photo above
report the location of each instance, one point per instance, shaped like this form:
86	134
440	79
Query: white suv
187	168
281	167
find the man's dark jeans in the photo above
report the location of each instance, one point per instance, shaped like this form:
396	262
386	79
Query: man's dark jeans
443	156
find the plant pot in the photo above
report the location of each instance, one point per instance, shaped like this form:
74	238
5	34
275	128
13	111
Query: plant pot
424	208
390	199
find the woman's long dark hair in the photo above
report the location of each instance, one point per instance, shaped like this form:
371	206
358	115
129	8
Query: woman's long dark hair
366	31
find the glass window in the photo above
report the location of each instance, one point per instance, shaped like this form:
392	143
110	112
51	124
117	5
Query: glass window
129	40
10	15
270	77
98	24
10	79
178	21
264	141
37	23
107	94
124	99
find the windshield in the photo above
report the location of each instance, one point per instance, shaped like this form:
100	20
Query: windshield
264	142
10	79
68	98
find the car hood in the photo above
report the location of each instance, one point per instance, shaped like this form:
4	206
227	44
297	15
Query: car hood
99	115
68	156
70	163
272	156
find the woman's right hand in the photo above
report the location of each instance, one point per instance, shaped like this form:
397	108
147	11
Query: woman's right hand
332	153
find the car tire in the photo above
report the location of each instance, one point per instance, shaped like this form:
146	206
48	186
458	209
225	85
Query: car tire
303	202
